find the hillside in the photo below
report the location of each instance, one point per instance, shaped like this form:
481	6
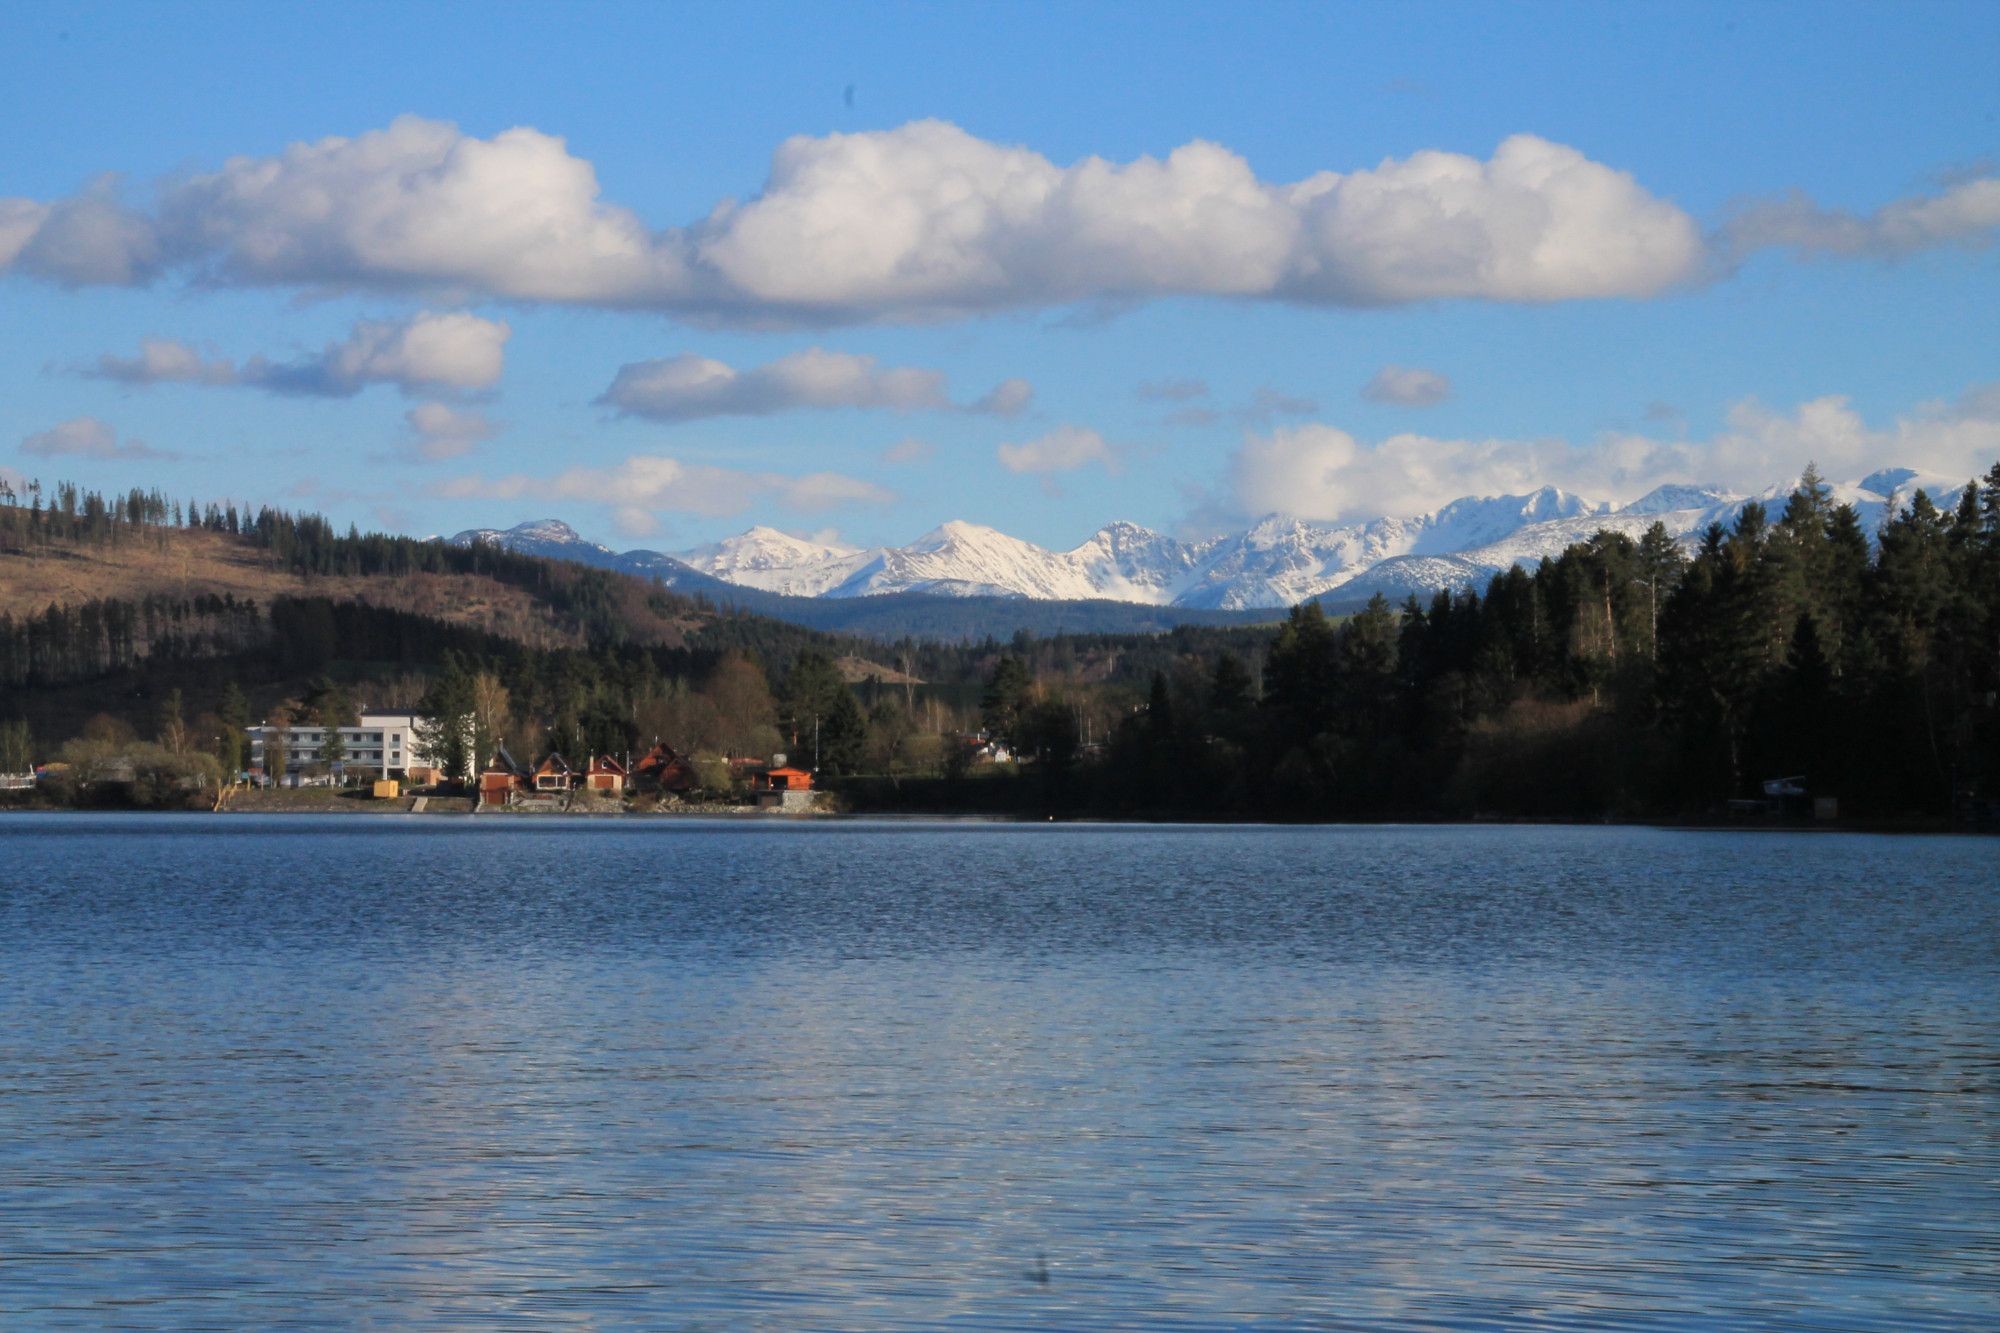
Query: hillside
112	606
183	564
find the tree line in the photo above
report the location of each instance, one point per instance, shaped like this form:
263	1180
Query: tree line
1621	677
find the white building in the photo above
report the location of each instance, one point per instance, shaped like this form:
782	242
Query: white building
379	742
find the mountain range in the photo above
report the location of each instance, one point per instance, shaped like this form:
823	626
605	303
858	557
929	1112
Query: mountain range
1276	562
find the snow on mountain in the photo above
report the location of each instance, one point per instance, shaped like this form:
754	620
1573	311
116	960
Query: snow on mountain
1671	499
1123	562
547	537
1276	562
775	561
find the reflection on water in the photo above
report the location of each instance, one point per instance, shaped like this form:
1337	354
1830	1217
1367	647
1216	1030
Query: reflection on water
349	1073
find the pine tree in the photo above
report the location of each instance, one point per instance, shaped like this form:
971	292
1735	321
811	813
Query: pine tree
335	712
1660	565
1007	693
444	722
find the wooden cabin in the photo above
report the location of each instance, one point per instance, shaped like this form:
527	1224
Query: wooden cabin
502	777
665	768
553	774
605	775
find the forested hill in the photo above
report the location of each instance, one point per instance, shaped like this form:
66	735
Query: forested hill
1621	677
90	583
108	601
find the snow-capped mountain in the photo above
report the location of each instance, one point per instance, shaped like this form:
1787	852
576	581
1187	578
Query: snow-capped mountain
775	561
1276	562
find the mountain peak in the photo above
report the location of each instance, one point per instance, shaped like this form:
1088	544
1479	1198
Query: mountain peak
1279	561
956	532
1887	481
547	529
1672	498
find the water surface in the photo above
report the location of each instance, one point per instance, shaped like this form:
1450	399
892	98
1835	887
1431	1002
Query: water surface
267	1073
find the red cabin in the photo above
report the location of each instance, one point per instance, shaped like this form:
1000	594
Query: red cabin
605	774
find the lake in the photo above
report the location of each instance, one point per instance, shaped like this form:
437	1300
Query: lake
351	1072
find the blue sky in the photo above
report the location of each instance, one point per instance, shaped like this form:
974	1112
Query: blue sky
1738	238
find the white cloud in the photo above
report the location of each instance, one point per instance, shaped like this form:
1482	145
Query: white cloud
644	486
686	387
918	222
1407	386
88	239
447	432
819	491
1064	449
419	205
88	437
424	353
1318	472
1008	398
1966	213
164	361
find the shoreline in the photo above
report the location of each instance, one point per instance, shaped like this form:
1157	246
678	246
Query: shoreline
746	814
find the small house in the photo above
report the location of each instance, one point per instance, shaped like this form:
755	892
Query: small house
605	775
553	774
502	777
665	768
783	788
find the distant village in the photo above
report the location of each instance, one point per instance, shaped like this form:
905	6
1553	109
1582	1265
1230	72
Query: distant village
384	752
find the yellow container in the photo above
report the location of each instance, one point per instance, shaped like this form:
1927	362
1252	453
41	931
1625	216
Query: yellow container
388	789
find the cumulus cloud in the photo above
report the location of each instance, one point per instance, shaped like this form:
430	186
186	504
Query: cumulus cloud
88	437
443	431
422	354
1966	213
88	239
918	222
686	387
1319	472
1064	449
1407	386
641	488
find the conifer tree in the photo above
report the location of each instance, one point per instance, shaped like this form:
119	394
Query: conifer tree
444	721
1007	693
